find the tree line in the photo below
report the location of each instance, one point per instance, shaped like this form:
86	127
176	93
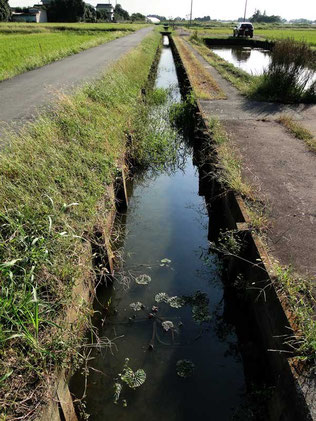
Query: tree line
73	11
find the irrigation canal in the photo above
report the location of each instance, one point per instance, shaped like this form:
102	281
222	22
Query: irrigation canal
201	364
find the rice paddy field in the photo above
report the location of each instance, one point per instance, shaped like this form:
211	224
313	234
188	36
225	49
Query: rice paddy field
25	46
307	33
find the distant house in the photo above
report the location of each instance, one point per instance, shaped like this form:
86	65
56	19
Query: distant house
34	14
106	8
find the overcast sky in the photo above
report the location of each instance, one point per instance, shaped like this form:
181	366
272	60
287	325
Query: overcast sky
222	9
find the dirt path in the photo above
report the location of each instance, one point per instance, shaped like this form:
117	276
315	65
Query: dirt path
23	95
278	165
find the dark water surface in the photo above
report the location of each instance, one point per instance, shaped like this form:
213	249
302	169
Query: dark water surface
167	219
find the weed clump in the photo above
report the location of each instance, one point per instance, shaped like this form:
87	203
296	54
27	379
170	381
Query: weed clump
289	76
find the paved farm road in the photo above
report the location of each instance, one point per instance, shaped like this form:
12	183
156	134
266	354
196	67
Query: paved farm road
22	95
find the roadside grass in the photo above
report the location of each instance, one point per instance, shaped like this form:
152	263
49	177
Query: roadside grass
297	130
203	84
229	163
53	198
298	293
300	303
22	51
240	79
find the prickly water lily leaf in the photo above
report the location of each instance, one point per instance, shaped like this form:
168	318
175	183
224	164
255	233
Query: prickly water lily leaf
162	297
136	306
143	279
132	379
176	302
167	325
117	392
185	368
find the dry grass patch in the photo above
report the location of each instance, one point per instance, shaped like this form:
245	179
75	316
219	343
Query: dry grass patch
298	131
202	82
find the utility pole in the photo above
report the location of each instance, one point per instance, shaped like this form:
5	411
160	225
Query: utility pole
191	13
245	11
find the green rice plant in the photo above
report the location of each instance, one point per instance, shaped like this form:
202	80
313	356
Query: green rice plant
20	52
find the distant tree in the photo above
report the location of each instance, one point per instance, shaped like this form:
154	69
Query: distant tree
5	11
66	11
260	18
90	14
120	13
103	15
138	17
204	19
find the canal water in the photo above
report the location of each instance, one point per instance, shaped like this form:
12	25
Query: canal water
254	60
251	60
165	253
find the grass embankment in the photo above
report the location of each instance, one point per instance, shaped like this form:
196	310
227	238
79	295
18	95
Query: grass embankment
297	130
54	177
297	294
203	84
240	79
25	47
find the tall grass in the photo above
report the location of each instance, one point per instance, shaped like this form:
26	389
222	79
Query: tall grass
54	177
289	75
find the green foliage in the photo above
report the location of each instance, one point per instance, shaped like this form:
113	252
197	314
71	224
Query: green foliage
301	299
120	13
289	74
131	378
5	12
90	14
65	10
259	17
138	17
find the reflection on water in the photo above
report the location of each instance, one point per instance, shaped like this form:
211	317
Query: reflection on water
251	60
167	219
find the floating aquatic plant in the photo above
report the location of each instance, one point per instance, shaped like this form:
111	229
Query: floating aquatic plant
137	306
143	279
176	302
199	302
117	392
162	297
167	325
131	378
185	368
165	262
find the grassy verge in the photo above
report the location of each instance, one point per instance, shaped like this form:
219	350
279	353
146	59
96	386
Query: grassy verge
298	131
54	177
23	48
203	84
240	79
297	293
